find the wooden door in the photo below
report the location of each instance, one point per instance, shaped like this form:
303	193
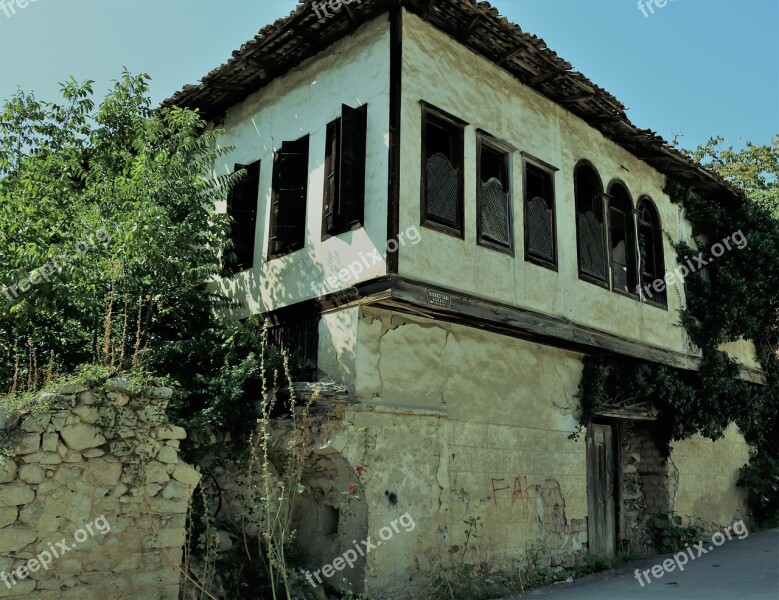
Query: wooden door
601	525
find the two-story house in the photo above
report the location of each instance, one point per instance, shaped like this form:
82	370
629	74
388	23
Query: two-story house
445	217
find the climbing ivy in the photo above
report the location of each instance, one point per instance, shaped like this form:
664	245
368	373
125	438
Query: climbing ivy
735	297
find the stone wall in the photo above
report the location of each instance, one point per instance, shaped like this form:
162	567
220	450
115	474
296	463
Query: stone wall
645	484
93	499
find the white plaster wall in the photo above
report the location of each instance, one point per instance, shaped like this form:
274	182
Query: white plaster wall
707	475
442	72
354	71
464	373
337	353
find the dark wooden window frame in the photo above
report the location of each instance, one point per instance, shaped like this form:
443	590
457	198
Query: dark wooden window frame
529	159
273	225
456	124
485	139
250	182
582	275
650	301
631	235
345	214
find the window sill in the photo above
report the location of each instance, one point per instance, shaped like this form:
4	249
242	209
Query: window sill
589	279
540	262
339	230
445	229
496	247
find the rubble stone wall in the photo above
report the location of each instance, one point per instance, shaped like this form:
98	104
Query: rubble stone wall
93	496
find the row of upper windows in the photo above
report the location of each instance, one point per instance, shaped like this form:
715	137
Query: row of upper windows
617	247
344	192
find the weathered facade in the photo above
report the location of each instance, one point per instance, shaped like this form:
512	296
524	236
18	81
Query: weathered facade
508	211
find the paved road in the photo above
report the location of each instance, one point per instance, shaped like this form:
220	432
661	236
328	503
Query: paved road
745	569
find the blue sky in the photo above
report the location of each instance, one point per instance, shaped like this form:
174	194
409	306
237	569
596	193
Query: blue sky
696	68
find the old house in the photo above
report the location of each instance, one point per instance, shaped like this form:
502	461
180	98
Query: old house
445	218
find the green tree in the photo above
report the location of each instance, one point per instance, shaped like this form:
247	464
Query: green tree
754	168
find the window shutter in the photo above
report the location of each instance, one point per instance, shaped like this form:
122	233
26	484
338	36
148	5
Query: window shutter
290	183
242	208
331	175
351	177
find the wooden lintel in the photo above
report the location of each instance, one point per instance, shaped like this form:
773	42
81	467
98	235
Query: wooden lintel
526	324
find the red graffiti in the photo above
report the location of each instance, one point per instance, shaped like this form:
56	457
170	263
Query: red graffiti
519	490
494	489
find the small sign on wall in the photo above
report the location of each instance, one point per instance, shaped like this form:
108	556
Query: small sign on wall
440	299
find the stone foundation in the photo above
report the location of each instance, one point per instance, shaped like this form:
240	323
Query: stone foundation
94	499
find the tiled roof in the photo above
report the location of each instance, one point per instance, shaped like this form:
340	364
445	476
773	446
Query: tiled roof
281	46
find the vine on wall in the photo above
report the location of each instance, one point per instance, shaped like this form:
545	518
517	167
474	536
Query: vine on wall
737	297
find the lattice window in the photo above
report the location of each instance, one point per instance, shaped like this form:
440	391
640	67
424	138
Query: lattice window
442	171
591	243
650	247
493	195
441	189
591	256
540	242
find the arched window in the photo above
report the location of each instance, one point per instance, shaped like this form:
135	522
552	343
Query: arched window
622	243
650	249
590	231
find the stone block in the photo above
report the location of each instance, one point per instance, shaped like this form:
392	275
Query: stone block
8	469
31	474
22	589
28	443
93	453
8	516
186	474
157	473
123	386
169	432
50	442
44	458
104	473
118	398
36	423
176	490
82	436
15	495
168	455
165	538
88	414
13	539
